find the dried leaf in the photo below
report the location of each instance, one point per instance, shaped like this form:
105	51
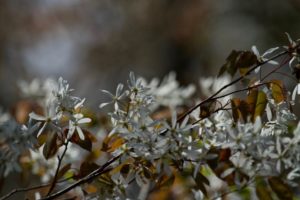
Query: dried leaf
207	108
278	91
86	168
63	170
112	143
241	60
86	143
51	146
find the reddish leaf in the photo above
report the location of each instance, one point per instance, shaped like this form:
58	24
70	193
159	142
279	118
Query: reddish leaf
224	154
86	143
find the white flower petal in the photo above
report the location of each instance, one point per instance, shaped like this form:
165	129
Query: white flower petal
37	117
104	104
257	70
255	51
42	129
269	51
269	112
295	92
227	172
84	120
119	89
78	116
108	93
80	133
80	104
291	63
273	62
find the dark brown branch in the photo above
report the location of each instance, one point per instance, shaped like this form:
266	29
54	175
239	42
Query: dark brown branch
231	83
60	158
17	190
85	179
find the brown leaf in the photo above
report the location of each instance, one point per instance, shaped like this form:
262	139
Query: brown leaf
86	168
278	91
86	143
281	189
63	170
51	145
238	60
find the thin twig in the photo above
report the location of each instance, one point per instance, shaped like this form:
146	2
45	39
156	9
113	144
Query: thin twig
275	69
85	179
231	83
60	158
17	190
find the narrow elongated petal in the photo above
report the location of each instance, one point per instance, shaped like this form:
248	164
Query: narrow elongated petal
291	63
119	89
84	120
42	129
37	117
257	70
78	116
108	93
102	105
295	92
269	51
71	129
174	119
80	104
80	133
255	51
273	62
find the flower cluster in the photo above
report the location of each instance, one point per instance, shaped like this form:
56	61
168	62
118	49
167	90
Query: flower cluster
150	146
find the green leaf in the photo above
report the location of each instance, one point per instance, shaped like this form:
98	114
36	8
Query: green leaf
281	189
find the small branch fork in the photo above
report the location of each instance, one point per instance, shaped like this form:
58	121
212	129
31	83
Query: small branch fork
60	158
104	168
14	191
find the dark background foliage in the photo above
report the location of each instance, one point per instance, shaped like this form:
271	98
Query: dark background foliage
94	44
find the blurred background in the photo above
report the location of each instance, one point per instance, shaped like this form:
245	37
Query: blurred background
95	43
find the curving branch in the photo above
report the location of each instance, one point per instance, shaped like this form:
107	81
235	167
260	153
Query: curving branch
85	179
